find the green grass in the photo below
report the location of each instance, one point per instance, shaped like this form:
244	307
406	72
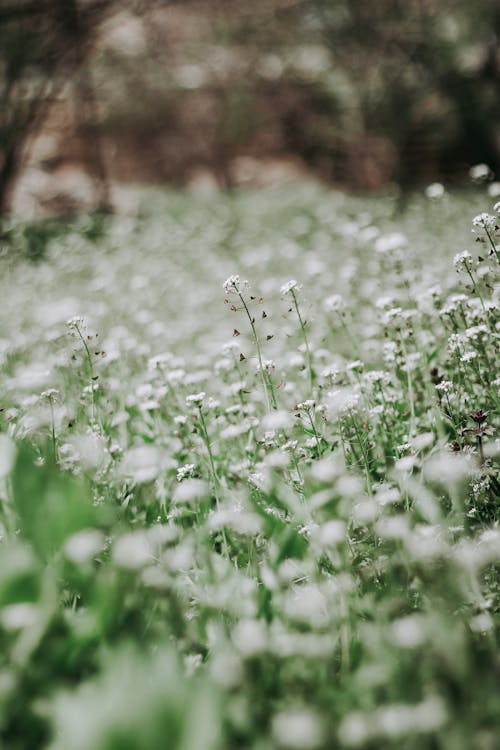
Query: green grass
264	516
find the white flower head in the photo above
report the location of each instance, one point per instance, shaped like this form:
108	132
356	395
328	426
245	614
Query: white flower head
435	191
462	260
77	321
334	303
480	172
342	401
235	285
389	242
50	393
484	221
195	398
84	545
298	729
307	405
7	455
292	285
268	365
185	471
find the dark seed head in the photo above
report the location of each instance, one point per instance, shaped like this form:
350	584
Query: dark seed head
479	416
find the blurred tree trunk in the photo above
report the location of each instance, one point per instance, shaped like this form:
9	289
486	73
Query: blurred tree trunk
42	45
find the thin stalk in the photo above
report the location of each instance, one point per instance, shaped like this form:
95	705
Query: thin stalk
411	395
215	478
493	246
53	429
259	355
206	440
306	342
365	456
91	369
476	290
315	432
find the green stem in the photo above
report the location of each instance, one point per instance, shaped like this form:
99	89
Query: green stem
53	429
315	432
215	478
306	342
206	440
91	370
411	396
259	355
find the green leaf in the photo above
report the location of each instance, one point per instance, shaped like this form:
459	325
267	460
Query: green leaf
50	506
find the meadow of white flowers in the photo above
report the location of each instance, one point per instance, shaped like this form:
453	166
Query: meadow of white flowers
249	476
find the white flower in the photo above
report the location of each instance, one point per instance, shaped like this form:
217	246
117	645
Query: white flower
306	405
334	303
195	398
342	401
292	284
462	260
84	545
277	420
89	449
7	456
268	365
445	386
235	285
484	221
188	491
408	632
435	191
50	393
250	637
331	533
142	463
132	550
233	431
389	242
237	520
185	471
475	332
447	469
479	172
19	616
299	729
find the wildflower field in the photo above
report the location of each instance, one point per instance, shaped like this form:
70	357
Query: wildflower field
249	475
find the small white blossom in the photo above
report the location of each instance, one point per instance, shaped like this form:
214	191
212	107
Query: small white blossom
196	398
484	221
50	393
334	303
299	729
185	471
289	286
479	172
435	191
390	242
462	260
445	386
268	365
77	321
306	405
235	285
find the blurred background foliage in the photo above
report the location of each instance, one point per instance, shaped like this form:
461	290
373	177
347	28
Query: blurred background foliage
220	93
